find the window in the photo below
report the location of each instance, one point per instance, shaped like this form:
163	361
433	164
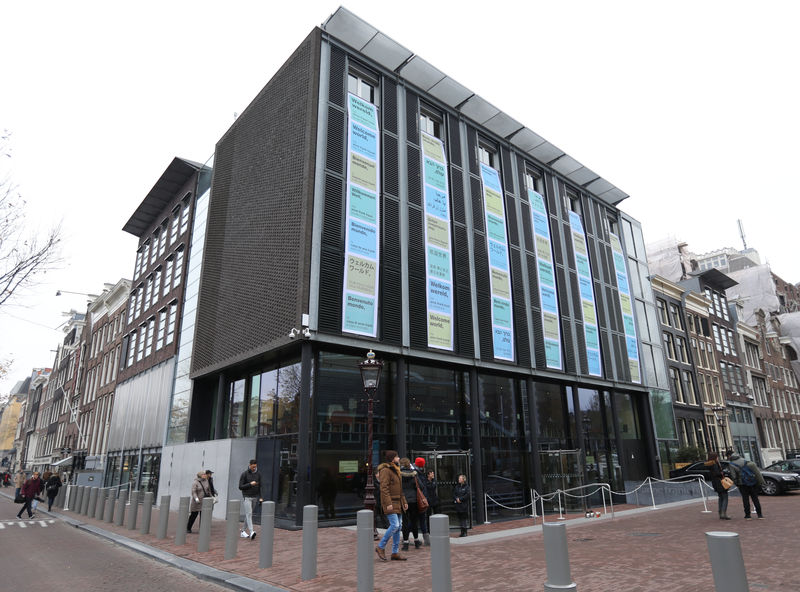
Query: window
680	350
162	237
732	341
137	269
146	255
176	220
187	203
162	328
572	201
168	275
361	85
148	293
662	312
173	313
430	123
717	340
677	318
140	344
178	267
157	284
151	325
533	180
131	348
675	381
753	357
487	155
669	345
688	387
139	299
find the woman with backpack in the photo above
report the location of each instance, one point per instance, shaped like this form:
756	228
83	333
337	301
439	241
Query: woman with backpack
749	481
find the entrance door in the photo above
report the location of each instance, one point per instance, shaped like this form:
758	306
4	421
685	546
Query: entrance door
447	466
561	469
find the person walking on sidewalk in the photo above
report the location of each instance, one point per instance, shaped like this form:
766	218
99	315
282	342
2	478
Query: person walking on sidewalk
30	489
715	469
749	480
434	505
461	498
51	487
200	490
393	502
19	481
250	486
411	520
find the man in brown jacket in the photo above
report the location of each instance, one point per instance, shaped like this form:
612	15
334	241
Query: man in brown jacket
393	503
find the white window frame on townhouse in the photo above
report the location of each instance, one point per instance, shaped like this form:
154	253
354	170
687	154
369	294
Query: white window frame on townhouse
186	205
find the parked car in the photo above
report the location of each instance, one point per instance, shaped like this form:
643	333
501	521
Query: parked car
790	465
775	482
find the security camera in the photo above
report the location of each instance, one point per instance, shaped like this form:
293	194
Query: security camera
306	332
293	333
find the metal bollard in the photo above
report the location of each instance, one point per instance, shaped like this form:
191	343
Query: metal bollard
204	543
100	507
309	567
366	562
69	503
122	500
183	518
93	501
557	558
440	553
163	517
147	513
727	564
87	493
232	528
59	501
267	534
108	516
133	510
78	500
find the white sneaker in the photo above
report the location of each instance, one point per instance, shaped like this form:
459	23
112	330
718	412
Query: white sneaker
244	535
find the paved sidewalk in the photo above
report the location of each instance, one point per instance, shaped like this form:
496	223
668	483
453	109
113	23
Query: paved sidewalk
638	550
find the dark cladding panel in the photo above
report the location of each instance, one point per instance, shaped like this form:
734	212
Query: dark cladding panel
336	141
527	229
464	339
389	110
417	312
330	291
457	193
472	151
481	263
412	117
508	176
485	325
391	306
338	78
605	344
569	352
416	244
454	145
414	176
332	226
461	254
522	340
390	250
477	203
391	173
511	220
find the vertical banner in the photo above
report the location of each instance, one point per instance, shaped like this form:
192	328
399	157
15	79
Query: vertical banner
497	243
438	254
586	288
546	273
626	306
362	220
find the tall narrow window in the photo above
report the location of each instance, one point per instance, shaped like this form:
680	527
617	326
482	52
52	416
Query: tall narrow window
487	156
162	328
176	220
139	299
173	313
187	203
168	274
157	284
430	124
361	85
140	344
137	269
148	346
131	348
162	237
178	267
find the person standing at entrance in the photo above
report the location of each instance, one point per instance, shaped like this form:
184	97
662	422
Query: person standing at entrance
392	502
250	486
749	481
52	485
200	490
461	498
715	469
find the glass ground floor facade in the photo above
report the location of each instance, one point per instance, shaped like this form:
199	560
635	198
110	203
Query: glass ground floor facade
510	433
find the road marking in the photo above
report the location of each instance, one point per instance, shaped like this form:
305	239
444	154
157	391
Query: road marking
26	523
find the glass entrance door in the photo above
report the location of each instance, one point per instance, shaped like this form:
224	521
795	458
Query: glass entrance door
561	469
447	466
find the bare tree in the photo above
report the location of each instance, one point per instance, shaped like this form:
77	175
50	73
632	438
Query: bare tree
24	256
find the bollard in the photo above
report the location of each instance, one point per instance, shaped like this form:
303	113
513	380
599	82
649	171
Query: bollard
267	534
119	518
87	493
62	495
69	503
309	567
727	564
366	561
93	501
133	510
232	529
557	558
183	518
163	517
100	508
204	542
440	553
78	500
147	513
108	516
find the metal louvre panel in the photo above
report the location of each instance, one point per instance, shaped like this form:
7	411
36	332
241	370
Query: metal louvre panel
389	105
508	177
335	146
390	251
481	263
416	244
330	291
511	220
561	285
461	255
338	77
414	176
569	352
599	296
418	312
391	306
533	280
457	195
477	203
412	117
521	338
391	175
454	143
621	353
608	368
485	324
472	151
332	219
527	230
464	341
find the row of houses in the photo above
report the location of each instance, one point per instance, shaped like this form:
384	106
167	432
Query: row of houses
366	201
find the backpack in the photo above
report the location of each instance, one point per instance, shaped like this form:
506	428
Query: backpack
748	476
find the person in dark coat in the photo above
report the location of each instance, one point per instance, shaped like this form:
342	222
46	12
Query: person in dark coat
715	469
434	505
749	480
200	490
210	481
411	521
30	489
51	486
393	503
250	486
461	499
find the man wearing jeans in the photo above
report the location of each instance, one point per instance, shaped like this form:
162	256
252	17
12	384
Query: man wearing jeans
250	486
393	502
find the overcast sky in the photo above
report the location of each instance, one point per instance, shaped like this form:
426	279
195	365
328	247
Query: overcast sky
690	108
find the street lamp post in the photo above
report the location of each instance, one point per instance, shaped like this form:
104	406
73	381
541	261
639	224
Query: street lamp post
721	424
370	377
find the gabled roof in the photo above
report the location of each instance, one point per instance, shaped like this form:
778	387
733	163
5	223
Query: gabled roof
161	195
366	39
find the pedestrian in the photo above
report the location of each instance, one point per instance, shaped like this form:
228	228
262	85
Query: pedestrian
30	489
749	480
51	486
393	502
411	517
715	470
19	481
432	493
461	499
422	483
199	491
210	480
250	486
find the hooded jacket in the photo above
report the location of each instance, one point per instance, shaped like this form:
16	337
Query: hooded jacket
391	488
736	464
410	483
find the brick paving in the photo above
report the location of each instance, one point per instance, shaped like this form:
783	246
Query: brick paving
662	549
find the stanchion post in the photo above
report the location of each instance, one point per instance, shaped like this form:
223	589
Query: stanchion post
557	557
652	497
119	518
485	509
267	534
310	519
147	513
232	528
366	561
204	542
533	504
441	579
183	518
163	517
560	512
133	510
727	563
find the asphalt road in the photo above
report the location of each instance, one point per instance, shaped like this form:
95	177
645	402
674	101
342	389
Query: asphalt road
47	552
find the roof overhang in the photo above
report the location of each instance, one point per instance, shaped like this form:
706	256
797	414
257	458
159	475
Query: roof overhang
717	278
366	39
161	195
63	461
